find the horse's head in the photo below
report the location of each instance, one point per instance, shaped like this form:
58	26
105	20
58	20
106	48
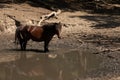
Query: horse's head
58	27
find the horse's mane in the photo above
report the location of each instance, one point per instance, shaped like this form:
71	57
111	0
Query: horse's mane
49	25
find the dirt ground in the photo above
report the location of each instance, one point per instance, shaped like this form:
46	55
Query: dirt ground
94	34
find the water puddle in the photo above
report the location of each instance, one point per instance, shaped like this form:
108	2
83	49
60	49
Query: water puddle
65	66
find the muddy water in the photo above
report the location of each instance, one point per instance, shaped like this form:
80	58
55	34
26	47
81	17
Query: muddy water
28	65
65	61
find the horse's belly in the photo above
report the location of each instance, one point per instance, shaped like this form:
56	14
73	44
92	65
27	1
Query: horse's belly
37	32
38	40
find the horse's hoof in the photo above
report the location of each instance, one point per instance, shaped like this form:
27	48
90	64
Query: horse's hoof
23	49
46	51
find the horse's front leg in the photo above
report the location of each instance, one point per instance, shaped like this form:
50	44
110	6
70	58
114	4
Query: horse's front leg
46	43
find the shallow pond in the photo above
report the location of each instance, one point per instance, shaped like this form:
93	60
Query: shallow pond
30	65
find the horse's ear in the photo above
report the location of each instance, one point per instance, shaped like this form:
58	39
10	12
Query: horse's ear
59	22
14	16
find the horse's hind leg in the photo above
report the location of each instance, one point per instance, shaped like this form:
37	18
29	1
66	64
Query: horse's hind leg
21	45
24	45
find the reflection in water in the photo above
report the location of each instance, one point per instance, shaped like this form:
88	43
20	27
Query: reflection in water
67	66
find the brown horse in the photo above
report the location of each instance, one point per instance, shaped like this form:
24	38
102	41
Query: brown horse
37	33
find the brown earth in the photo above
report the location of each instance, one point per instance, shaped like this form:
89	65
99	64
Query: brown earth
97	34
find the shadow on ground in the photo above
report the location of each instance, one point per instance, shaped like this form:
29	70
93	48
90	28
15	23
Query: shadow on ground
102	21
4	6
89	6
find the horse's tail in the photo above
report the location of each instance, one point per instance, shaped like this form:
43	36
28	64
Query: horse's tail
16	37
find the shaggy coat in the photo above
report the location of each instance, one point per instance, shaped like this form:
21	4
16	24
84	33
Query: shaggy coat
37	33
